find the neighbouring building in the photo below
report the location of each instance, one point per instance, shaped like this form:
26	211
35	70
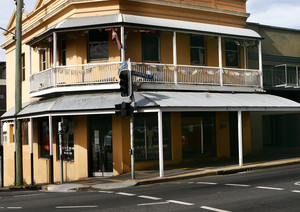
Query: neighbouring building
281	77
202	100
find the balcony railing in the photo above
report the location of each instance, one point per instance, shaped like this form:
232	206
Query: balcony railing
104	73
283	76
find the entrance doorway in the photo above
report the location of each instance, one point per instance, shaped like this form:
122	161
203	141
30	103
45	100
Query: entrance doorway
100	146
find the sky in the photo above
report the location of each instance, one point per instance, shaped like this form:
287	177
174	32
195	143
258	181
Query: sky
281	13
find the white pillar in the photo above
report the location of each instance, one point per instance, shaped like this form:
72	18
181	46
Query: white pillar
51	135
54	57
30	61
175	56
260	64
160	144
220	59
240	137
123	44
245	57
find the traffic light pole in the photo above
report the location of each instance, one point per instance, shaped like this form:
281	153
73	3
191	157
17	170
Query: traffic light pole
132	102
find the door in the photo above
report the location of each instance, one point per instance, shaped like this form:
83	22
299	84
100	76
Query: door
100	150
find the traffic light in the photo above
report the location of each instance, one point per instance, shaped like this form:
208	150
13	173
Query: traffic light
124	109
125	83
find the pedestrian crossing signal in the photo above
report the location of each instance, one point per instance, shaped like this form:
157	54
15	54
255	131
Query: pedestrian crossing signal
125	83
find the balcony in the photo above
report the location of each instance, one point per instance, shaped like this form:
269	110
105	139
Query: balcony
104	76
282	77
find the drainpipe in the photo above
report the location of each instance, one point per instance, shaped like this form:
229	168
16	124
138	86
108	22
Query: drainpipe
31	151
220	59
175	56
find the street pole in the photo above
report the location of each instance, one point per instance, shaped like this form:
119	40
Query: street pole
18	94
60	132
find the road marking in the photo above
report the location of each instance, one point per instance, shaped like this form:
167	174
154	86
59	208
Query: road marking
207	183
153	203
296	191
180	203
238	185
107	192
149	197
270	188
191	182
125	194
213	209
297	183
28	195
77	206
14	207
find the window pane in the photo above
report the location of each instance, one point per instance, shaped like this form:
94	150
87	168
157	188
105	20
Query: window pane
98	45
197	41
197	51
232	58
150	47
44	139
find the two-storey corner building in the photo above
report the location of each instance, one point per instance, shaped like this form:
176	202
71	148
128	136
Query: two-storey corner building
201	100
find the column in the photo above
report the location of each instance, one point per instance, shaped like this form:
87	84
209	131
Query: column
240	137
175	56
51	148
54	57
160	145
31	151
123	44
260	64
220	59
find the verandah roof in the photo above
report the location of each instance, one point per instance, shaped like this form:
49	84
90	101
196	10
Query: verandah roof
143	21
97	103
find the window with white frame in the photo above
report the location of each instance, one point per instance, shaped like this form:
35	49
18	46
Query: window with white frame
150	47
98	45
231	53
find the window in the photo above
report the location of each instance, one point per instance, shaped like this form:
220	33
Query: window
11	133
25	134
23	67
63	51
68	139
197	45
45	58
146	136
232	53
150	47
98	45
44	144
4	129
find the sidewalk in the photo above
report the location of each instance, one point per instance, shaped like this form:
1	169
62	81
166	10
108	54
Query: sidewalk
152	176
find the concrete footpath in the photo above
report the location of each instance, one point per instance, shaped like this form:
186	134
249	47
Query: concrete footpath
151	176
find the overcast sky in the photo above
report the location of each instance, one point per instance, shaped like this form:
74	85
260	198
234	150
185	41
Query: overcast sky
283	13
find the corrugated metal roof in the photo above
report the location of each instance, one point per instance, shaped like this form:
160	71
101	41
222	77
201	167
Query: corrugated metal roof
167	101
86	22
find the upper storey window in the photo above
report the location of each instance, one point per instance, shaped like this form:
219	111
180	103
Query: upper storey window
150	47
197	49
98	45
46	59
232	53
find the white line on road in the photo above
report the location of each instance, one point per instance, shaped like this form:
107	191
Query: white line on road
28	195
149	197
153	203
297	183
180	203
213	209
270	188
77	206
125	194
107	192
207	183
238	185
14	207
296	191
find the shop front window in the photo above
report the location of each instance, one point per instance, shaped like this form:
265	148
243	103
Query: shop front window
198	134
68	139
146	137
44	138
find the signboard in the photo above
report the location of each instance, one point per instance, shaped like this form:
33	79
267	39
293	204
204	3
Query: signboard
123	66
143	75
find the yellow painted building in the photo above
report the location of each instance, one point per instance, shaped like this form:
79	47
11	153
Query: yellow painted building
192	54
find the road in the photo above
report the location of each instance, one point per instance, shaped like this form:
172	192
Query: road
276	189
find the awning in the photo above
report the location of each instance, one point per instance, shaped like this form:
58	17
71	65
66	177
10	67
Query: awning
97	103
157	23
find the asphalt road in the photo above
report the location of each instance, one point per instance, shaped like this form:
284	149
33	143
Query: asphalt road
276	189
